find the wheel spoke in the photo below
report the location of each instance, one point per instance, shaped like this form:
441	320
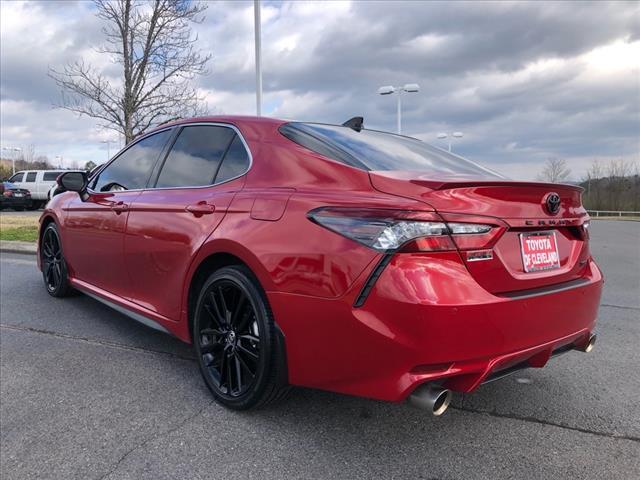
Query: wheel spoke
220	314
251	338
238	310
58	273
251	354
214	314
223	304
229	375
245	365
211	331
238	369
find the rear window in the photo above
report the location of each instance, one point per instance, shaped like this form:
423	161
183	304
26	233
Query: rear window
50	176
374	150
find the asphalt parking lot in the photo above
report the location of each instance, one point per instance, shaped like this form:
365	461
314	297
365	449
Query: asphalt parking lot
87	393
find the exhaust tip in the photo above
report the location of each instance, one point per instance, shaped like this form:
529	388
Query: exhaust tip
432	398
590	344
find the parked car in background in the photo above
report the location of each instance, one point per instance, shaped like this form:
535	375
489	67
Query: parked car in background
327	256
38	182
12	196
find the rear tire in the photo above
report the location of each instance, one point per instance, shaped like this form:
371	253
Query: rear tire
239	348
54	267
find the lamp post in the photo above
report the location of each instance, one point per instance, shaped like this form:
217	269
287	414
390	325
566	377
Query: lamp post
108	142
450	136
258	42
389	90
13	157
59	159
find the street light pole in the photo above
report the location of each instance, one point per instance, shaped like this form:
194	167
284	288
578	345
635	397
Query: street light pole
388	90
258	42
450	137
13	157
399	113
108	142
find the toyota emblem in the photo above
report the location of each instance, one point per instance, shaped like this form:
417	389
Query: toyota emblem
552	202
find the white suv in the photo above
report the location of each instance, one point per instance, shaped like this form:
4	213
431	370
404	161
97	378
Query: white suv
38	182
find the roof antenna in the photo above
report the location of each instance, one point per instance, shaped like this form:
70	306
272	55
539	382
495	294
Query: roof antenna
355	123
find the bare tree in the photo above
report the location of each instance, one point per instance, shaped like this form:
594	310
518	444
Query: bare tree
555	171
152	41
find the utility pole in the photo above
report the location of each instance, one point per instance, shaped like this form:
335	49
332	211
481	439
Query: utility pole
258	41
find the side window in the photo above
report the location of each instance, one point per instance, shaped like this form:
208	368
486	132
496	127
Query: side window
132	169
16	178
31	177
235	162
195	156
50	176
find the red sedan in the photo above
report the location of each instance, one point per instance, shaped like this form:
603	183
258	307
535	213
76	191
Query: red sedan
328	256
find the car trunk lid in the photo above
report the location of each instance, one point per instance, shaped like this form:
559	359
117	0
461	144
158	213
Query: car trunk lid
521	208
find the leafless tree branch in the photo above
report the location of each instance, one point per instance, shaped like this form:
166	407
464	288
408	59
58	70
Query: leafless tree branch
152	41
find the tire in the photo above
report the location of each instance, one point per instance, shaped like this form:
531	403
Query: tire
34	206
54	267
19	209
239	348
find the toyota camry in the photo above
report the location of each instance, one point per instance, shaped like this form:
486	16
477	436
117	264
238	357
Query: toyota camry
327	256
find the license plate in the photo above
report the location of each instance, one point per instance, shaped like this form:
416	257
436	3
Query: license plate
17	194
539	251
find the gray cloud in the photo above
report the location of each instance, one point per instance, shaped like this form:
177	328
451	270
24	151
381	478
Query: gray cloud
518	78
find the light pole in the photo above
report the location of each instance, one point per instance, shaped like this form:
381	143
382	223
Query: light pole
59	160
258	41
389	89
108	142
442	136
13	157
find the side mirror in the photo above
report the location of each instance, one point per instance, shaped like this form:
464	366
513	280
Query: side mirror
74	182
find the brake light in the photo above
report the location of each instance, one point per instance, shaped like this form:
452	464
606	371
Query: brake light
8	193
389	231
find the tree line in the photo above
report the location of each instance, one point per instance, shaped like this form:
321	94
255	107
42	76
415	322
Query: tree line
613	185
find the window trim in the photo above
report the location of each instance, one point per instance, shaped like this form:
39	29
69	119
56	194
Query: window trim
99	171
156	174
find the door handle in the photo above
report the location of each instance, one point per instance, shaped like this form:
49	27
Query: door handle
201	208
120	207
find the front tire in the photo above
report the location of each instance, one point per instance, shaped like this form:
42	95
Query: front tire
54	267
237	343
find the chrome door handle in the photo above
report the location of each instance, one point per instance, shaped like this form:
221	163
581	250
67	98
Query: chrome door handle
120	207
201	209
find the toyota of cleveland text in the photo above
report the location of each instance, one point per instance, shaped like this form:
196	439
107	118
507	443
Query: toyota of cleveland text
327	256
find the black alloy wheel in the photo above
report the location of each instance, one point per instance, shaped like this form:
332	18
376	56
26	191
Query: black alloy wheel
54	268
236	341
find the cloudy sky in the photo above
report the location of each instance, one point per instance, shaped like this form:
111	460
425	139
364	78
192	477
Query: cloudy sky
523	81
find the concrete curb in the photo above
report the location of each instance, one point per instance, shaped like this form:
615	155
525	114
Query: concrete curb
8	246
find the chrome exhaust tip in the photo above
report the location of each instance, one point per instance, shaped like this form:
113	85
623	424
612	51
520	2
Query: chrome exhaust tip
432	398
590	344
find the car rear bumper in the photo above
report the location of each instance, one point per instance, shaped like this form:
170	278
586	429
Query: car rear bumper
427	320
20	202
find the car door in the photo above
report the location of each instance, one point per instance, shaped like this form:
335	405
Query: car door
17	179
94	233
167	224
29	183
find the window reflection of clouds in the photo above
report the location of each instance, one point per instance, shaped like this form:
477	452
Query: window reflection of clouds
383	151
194	158
133	167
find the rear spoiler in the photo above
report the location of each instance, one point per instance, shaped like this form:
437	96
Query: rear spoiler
446	185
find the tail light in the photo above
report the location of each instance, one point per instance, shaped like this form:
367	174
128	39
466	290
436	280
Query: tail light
8	193
389	231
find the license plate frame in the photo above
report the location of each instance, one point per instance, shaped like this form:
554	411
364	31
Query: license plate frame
552	262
